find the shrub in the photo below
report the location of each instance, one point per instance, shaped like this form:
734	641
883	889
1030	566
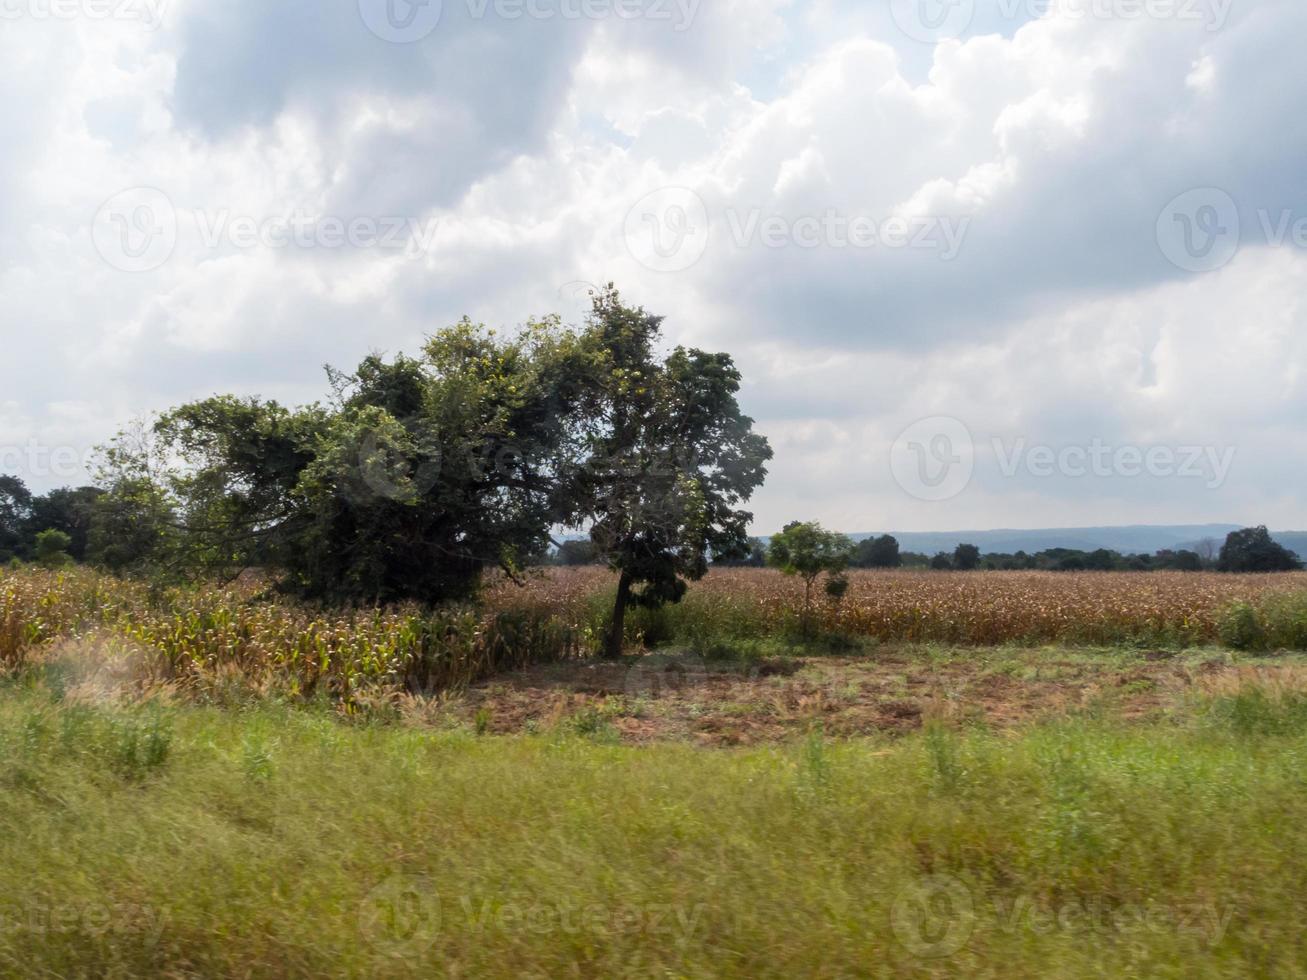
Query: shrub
142	744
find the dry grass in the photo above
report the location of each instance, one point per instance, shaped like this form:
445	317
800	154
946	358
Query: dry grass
897	691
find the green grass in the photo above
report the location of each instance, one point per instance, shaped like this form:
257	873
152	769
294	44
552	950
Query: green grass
156	839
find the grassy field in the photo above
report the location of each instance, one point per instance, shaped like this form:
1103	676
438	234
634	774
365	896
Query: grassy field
165	839
209	782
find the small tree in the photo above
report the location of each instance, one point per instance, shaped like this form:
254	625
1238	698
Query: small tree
881	552
51	549
809	551
1254	550
966	557
941	562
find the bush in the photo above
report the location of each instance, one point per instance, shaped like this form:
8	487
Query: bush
1277	622
1285	621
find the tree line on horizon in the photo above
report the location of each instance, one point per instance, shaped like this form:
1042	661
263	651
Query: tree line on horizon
1247	550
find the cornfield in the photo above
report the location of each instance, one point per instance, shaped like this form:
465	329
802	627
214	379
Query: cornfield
188	636
963	608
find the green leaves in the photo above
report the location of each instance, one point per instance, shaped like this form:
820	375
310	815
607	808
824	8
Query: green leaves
808	550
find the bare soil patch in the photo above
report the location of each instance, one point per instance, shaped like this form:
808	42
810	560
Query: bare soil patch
677	696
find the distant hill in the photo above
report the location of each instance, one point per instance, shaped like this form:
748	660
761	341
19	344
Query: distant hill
1141	539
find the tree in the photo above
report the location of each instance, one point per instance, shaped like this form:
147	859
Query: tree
942	562
133	528
68	510
1102	560
576	553
1180	561
133	525
881	552
420	473
809	551
966	557
668	459
15	506
1254	550
51	549
756	557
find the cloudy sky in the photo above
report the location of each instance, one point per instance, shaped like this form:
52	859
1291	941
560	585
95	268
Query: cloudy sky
984	263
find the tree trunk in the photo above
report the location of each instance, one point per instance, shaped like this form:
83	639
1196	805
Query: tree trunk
616	629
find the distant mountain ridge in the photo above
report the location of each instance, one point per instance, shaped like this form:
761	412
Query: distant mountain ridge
1138	539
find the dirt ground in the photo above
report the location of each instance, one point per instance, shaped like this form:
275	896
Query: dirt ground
891	691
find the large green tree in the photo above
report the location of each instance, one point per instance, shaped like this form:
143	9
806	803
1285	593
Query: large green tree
420	472
669	458
438	468
1254	550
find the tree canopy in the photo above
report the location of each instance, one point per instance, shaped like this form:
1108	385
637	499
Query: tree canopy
1254	550
808	550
